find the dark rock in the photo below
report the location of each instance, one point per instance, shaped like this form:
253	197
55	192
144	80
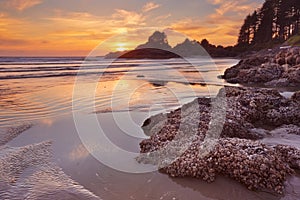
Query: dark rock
280	61
290	60
271	69
158	40
282	82
296	96
233	153
298	60
189	48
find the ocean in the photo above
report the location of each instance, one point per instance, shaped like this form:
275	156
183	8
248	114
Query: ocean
41	88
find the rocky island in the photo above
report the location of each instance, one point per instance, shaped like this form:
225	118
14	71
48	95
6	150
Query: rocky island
149	53
157	47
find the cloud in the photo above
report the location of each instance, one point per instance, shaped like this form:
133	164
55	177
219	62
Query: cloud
10	41
76	32
216	2
237	7
8	23
232	6
221	26
221	31
19	4
73	23
186	24
150	6
84	31
129	17
161	18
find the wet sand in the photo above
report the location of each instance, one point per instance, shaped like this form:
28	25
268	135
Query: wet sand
28	172
75	161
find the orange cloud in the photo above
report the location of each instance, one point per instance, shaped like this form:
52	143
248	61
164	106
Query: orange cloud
26	37
65	33
223	32
238	7
160	19
150	6
129	17
19	4
76	33
220	27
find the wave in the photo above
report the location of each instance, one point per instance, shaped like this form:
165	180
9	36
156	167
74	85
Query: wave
39	60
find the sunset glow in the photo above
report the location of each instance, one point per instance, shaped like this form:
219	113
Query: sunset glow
42	27
121	47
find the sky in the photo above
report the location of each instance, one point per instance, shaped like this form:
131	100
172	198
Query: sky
76	27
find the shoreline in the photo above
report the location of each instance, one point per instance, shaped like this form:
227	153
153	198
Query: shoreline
77	163
68	149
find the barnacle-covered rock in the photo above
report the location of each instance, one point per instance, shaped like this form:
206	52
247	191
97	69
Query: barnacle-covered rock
278	68
185	143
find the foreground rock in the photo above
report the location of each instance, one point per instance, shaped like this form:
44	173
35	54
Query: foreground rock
183	142
251	163
279	68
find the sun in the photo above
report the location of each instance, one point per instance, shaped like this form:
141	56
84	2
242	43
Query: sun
121	47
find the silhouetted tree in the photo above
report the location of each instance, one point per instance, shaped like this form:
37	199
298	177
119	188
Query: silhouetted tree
244	36
275	21
264	32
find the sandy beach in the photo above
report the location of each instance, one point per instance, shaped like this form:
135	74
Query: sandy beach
76	164
73	172
150	100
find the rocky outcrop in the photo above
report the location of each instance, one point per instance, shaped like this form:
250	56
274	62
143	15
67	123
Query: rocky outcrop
189	48
235	152
158	44
158	40
279	69
249	162
296	96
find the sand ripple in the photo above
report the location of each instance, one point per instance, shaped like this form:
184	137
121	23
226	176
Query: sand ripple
28	173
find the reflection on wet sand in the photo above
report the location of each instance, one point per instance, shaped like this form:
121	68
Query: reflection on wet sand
71	155
28	172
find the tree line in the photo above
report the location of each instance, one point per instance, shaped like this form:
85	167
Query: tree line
275	22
